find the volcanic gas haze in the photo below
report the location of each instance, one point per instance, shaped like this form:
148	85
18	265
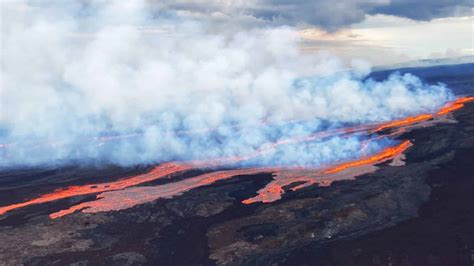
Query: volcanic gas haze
112	82
124	193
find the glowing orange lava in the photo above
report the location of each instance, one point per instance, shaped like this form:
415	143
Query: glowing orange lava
123	194
324	177
158	172
404	122
127	198
455	105
387	153
448	108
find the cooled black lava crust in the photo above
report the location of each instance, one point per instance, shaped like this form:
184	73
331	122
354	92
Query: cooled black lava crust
417	214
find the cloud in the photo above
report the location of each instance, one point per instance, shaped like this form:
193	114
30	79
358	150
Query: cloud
427	10
327	14
324	13
387	40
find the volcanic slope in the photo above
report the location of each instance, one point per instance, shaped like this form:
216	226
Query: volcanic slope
422	208
415	214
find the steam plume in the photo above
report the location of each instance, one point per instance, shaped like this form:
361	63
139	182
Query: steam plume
167	88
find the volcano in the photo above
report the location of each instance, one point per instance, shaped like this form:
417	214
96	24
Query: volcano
407	203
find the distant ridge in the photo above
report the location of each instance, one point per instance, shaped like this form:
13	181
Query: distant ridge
429	62
458	77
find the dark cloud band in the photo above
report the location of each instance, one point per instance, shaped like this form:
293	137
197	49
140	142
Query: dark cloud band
328	14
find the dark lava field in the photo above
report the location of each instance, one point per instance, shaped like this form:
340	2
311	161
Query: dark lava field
417	214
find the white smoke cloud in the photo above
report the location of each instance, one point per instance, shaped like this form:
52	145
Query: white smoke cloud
72	74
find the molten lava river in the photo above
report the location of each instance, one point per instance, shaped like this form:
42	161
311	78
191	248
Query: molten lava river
127	192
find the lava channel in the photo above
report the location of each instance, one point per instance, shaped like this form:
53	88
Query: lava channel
268	194
158	172
325	176
127	198
448	108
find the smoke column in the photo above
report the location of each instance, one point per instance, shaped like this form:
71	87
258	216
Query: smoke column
159	87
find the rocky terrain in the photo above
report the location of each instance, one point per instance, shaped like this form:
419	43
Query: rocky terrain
417	214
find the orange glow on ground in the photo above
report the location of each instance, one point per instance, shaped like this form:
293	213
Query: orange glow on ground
158	172
455	105
323	177
448	108
122	194
387	153
404	122
127	198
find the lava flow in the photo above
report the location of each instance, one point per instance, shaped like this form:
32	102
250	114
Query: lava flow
325	176
156	173
387	153
127	198
448	108
122	194
455	105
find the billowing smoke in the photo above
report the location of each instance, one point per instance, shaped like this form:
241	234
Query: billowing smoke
162	88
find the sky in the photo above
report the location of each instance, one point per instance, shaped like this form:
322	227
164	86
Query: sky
383	32
385	40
